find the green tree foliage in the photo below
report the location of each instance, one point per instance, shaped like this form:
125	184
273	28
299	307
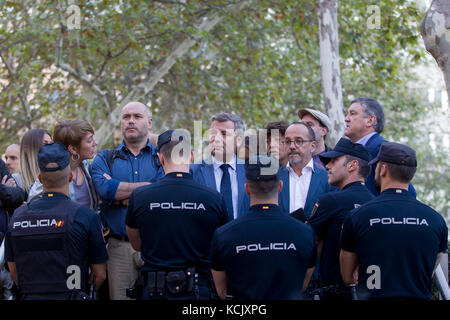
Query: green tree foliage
261	62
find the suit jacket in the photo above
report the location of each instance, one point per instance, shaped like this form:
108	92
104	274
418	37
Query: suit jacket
204	174
373	144
318	186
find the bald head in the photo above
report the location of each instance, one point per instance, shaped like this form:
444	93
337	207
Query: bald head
12	154
136	121
138	105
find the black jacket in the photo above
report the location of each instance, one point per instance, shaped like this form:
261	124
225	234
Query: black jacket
10	198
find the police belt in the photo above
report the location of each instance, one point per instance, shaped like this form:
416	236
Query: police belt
335	290
179	282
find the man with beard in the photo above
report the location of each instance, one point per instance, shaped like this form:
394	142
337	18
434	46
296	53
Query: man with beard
348	167
115	175
392	244
303	181
223	171
321	125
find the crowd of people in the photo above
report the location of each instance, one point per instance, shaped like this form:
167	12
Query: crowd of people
288	219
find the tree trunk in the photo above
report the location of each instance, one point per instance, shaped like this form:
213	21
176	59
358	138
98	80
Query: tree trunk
330	69
435	31
179	49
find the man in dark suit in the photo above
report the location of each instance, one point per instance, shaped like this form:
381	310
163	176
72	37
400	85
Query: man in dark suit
363	124
303	181
224	171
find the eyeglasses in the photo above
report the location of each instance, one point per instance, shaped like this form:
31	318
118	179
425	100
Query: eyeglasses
298	142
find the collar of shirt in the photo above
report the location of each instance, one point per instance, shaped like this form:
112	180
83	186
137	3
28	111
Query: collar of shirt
354	184
217	163
54	195
178	175
309	166
366	138
397	191
148	146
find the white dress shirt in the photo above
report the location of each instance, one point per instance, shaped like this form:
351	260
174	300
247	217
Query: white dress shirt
299	186
218	173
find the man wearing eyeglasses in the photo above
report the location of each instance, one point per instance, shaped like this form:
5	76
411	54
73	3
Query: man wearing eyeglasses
303	181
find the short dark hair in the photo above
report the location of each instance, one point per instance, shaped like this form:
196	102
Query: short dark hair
55	179
262	189
401	173
311	133
281	126
363	165
167	148
222	117
372	108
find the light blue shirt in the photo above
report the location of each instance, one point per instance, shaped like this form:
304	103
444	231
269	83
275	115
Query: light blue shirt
366	138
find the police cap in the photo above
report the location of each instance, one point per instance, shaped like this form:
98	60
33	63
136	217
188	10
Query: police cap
262	168
169	135
346	147
55	153
396	153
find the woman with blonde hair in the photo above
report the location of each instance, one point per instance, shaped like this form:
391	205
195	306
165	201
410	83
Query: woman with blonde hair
30	144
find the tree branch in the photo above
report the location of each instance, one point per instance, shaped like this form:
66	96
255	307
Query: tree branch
179	48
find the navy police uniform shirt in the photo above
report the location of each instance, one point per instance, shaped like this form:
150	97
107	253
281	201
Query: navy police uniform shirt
327	218
265	254
176	218
396	239
86	234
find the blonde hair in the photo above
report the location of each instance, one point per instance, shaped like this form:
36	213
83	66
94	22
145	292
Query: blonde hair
29	147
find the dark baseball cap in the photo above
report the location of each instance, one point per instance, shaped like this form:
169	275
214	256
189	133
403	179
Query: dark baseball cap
262	168
396	153
55	153
169	135
345	147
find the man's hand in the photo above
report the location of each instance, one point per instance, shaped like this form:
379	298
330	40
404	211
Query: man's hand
8	182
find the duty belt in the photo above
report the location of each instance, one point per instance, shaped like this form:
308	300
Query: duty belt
176	282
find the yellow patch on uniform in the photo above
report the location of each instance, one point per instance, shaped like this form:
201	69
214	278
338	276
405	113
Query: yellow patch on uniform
363	184
265	207
50	194
398	191
179	175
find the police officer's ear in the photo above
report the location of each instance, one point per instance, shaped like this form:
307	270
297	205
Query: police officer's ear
161	159
352	166
247	189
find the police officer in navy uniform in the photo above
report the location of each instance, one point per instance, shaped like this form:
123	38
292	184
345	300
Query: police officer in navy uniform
348	168
52	242
396	240
264	254
171	223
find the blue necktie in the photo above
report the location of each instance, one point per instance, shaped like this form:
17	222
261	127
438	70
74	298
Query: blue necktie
225	189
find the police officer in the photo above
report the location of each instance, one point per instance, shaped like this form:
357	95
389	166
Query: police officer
396	239
264	254
348	168
52	242
171	223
